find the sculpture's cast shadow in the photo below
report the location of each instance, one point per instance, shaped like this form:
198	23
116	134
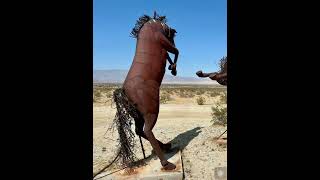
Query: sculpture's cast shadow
178	143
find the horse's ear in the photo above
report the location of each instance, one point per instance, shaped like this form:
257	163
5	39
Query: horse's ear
154	15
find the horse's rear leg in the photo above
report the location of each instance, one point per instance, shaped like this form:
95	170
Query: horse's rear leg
150	121
139	123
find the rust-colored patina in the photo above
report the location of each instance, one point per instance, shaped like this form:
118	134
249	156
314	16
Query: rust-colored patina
142	84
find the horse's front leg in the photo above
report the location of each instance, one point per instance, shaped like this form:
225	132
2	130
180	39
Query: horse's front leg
170	61
172	66
150	121
168	46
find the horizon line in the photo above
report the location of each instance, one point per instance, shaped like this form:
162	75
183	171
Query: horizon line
128	70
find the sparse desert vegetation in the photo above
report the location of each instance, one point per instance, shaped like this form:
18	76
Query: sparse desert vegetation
176	93
165	97
198	94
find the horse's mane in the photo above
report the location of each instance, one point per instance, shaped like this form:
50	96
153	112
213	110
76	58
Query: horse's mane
222	64
142	20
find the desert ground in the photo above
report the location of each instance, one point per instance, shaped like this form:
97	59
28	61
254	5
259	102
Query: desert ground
184	120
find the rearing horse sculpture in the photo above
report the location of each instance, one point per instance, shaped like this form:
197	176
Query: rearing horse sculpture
138	99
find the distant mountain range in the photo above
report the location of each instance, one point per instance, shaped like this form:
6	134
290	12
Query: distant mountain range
118	76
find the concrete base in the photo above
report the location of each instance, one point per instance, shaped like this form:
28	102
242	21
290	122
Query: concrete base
151	171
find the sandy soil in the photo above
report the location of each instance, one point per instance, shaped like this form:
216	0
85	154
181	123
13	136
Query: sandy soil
183	121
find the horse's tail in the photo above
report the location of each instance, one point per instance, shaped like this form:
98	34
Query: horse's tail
123	121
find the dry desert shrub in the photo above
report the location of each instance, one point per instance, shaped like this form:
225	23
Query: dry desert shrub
96	95
219	111
190	95
223	97
214	93
164	98
200	92
219	115
201	100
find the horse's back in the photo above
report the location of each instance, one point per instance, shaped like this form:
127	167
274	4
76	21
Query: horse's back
144	78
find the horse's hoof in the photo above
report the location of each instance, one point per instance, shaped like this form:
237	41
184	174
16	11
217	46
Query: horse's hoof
168	166
174	72
199	73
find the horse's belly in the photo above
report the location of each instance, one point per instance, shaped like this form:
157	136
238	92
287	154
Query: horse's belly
143	81
144	94
148	69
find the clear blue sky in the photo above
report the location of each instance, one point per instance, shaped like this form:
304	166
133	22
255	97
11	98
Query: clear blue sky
201	32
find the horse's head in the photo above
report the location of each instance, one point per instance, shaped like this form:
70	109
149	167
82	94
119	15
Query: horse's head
158	23
170	33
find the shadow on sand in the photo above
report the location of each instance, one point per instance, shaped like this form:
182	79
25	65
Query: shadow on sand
182	140
178	143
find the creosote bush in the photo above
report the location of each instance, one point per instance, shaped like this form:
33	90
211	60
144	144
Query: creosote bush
201	100
164	98
219	111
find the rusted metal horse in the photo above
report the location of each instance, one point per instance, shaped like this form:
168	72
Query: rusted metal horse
138	99
221	76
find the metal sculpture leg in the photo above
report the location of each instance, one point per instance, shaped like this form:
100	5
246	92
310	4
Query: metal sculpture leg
144	155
